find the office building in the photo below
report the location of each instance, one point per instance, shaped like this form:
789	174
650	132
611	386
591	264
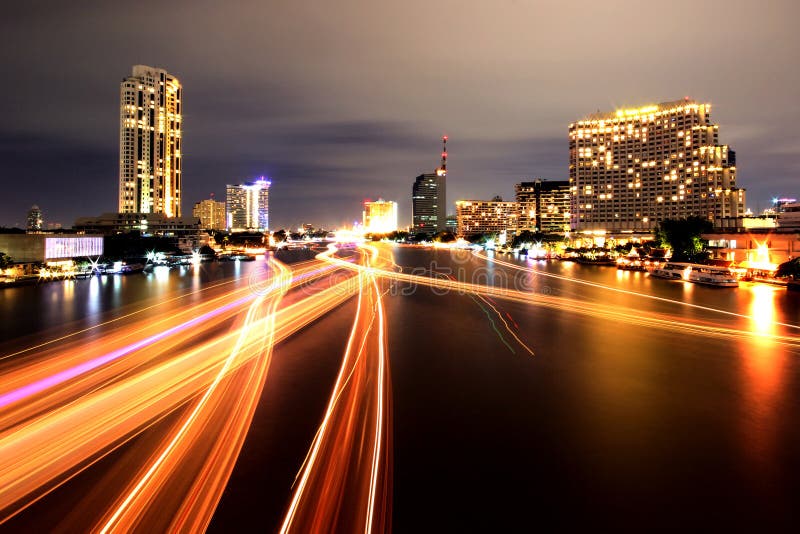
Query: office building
211	214
486	216
429	199
247	206
150	142
632	168
379	216
35	221
543	206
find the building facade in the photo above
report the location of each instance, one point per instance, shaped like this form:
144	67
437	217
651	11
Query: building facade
543	206
211	214
247	206
631	168
486	217
429	204
150	148
379	216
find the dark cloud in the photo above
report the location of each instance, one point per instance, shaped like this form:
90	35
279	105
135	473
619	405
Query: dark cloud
341	101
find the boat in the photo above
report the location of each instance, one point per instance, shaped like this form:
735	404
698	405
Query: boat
709	275
671	271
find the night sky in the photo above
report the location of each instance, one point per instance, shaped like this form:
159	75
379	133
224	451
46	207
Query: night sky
338	101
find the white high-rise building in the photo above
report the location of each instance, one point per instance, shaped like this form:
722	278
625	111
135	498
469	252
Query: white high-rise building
632	168
150	123
247	206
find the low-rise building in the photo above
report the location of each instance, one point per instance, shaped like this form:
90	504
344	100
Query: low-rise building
147	223
42	248
759	248
486	216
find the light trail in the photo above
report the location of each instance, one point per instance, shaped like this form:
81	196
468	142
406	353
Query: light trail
48	437
345	481
126	514
624	291
597	310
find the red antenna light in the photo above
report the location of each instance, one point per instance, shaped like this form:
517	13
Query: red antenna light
444	155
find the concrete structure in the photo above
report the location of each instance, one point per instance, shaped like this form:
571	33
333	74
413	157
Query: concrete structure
150	124
41	248
543	206
146	223
379	216
486	216
632	168
247	206
35	220
428	203
211	214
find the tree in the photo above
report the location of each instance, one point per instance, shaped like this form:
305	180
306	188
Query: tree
683	236
205	250
279	236
789	269
5	260
445	236
526	236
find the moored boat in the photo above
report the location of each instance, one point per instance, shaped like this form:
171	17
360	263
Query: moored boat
700	274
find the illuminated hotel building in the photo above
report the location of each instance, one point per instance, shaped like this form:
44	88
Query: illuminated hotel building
380	216
247	206
543	206
631	168
486	216
150	142
211	214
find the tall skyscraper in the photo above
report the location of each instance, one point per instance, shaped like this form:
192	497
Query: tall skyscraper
35	219
543	206
379	216
632	168
247	206
429	199
150	123
211	214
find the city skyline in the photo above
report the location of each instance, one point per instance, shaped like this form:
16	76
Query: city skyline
366	138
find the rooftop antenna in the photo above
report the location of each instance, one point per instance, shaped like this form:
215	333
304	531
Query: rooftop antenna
443	169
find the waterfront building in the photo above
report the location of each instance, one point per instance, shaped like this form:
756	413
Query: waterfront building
40	248
211	214
379	216
247	206
150	142
543	206
632	168
35	220
486	216
761	249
